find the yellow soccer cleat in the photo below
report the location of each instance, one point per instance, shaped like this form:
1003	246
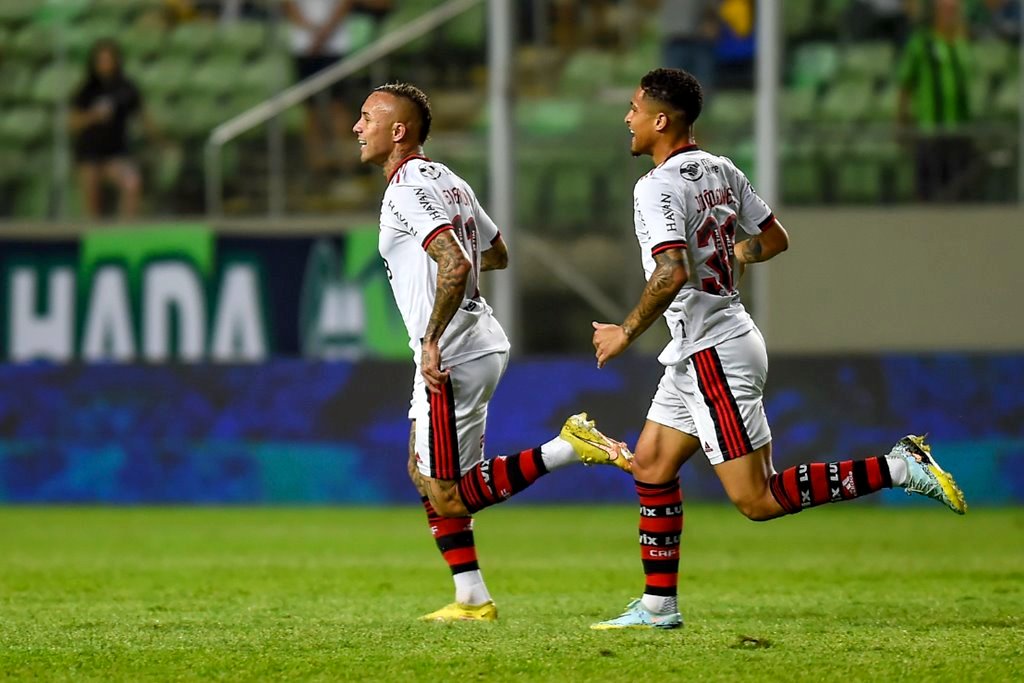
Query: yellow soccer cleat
924	476
459	612
593	447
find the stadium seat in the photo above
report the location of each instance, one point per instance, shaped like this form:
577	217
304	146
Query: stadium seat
797	18
730	110
846	102
216	75
245	38
801	175
587	72
193	38
166	77
992	58
813	65
268	75
466	32
550	117
798	105
1006	104
142	41
867	61
15	11
24	126
33	42
55	83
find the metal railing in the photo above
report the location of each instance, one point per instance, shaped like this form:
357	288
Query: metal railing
273	106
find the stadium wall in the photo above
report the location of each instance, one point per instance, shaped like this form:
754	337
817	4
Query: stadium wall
902	279
296	431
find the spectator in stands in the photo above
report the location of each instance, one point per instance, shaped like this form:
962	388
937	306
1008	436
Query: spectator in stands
934	76
101	111
319	39
689	30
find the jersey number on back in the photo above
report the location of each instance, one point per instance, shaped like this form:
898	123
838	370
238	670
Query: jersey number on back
722	236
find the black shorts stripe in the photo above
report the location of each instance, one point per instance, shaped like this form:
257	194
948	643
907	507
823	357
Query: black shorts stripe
443	436
709	399
733	406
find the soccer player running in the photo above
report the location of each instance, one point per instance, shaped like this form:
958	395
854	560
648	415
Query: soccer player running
435	239
687	213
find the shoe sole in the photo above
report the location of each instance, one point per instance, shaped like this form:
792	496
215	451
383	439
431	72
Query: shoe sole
954	496
634	627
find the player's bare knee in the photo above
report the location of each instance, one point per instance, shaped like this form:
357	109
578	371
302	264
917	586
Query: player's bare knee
756	509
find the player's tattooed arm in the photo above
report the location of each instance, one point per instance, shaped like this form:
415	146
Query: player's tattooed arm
668	278
772	241
495	258
452	274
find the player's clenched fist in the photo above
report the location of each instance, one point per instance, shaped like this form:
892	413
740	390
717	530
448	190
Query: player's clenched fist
430	367
609	341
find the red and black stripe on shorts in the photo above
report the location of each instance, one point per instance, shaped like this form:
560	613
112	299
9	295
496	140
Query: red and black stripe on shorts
442	433
733	440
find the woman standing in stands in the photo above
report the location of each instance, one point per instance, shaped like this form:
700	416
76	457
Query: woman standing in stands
100	113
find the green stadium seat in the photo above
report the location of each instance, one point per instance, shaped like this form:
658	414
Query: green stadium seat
24	126
801	175
166	77
245	37
587	72
883	107
268	75
798	106
846	102
16	11
142	41
549	117
32	199
81	36
830	15
797	18
216	75
33	42
730	110
813	65
868	61
466	32
193	39
992	58
1006	104
403	14
55	83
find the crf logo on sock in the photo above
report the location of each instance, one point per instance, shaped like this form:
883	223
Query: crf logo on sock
667	553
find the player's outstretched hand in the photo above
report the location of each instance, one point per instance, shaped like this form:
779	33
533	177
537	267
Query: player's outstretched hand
430	367
609	341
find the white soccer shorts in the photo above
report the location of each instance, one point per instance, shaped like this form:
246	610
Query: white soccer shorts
717	396
450	425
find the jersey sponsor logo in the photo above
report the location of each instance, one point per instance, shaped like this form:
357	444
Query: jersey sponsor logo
398	214
430	171
714	197
667	213
431	209
692	171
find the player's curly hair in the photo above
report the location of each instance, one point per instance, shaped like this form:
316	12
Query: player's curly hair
410	92
677	88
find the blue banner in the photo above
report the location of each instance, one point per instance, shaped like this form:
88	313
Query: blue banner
296	431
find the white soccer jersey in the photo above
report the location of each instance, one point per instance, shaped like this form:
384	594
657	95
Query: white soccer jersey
422	200
695	201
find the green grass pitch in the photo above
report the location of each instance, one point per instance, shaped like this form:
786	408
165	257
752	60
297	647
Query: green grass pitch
844	593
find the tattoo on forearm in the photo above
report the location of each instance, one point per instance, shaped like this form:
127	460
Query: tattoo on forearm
662	287
452	274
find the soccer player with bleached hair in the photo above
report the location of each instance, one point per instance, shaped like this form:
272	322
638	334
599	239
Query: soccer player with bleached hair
699	224
435	240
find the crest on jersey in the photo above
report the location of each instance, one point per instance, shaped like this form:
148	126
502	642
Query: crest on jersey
430	171
692	171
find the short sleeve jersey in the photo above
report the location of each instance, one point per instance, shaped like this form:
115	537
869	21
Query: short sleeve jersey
696	202
424	199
